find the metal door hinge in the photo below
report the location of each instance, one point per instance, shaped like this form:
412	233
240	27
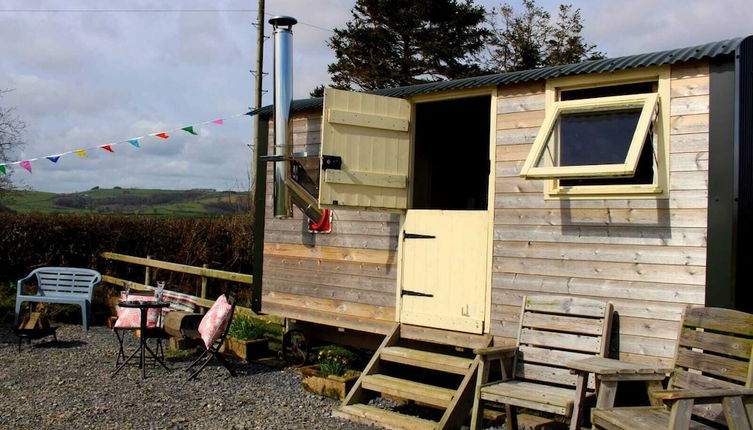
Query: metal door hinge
416	236
414	293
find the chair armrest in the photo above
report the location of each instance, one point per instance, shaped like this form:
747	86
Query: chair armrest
711	395
492	352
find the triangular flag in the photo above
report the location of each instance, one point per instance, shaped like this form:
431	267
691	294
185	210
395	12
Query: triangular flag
53	158
219	121
189	129
162	135
107	148
134	142
2	169
26	165
80	153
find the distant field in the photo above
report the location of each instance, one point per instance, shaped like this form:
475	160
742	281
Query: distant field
183	203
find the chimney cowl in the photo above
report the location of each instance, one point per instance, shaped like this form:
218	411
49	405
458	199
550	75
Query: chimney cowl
283	20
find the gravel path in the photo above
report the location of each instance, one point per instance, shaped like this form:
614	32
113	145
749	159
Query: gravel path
68	386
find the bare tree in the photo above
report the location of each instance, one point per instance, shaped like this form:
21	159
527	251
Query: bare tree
11	129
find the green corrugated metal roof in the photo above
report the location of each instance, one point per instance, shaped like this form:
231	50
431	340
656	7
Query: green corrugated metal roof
708	50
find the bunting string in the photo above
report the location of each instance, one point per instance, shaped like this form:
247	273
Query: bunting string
110	147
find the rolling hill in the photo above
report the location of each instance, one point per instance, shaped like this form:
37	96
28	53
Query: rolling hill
184	203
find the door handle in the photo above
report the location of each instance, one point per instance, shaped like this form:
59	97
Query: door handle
414	293
416	236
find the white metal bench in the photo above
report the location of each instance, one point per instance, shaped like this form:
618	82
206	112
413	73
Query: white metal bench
64	285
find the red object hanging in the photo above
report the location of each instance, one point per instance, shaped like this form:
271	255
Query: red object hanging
324	225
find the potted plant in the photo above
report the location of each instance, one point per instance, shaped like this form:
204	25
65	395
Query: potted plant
245	338
334	374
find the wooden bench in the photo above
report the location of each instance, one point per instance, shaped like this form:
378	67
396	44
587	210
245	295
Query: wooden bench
63	285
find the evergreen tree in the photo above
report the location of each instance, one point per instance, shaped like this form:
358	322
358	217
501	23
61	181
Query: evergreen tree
565	44
403	42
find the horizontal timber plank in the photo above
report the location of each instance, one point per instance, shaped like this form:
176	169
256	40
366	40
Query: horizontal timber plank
328	292
603	217
569	324
403	388
684	124
644	345
332	306
182	268
638	307
517	136
546	374
721	320
521	89
553	357
328	253
648	327
306	277
328	318
573	342
690	69
370	228
689	105
626	235
512	152
695	86
334	240
445	337
684	143
692	180
516	184
689	162
535	200
521	103
370	415
330	267
675	255
426	359
515	120
728	368
638	272
720	343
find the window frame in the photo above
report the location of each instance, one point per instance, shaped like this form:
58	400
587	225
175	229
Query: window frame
646	102
660	186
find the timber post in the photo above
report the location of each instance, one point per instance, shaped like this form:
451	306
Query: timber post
147	272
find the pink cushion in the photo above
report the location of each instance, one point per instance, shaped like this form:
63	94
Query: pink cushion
215	321
131	317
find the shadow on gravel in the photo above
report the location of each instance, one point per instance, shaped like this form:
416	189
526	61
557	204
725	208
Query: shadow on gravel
61	344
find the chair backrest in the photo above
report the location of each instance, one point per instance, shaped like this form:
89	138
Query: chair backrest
555	330
66	281
713	351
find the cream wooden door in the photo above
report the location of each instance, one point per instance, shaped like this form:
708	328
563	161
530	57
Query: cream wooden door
365	151
444	269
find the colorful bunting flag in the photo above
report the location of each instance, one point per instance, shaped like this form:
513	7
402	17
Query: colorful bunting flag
2	169
162	135
134	142
53	158
80	153
26	164
107	148
219	121
190	129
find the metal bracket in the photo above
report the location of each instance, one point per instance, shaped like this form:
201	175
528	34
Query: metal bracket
334	162
417	236
414	293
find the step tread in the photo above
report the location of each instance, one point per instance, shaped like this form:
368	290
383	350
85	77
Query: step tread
426	359
384	417
424	393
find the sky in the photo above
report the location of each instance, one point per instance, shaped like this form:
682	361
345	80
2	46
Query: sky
82	77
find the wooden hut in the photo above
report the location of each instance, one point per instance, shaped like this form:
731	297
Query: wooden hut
627	179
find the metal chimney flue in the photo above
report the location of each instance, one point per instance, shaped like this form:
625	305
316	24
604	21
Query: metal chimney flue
283	97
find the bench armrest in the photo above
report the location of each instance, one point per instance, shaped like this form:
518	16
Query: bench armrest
713	395
22	281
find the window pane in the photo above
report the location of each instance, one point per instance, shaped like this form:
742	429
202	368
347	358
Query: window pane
596	137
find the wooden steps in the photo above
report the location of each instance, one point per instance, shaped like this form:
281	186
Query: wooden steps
405	389
427	360
369	415
408	367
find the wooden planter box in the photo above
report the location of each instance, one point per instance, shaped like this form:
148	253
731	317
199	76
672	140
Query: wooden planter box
245	349
336	387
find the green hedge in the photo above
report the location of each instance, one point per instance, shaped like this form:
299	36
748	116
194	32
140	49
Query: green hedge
33	240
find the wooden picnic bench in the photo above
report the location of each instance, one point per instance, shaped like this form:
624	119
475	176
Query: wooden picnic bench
63	285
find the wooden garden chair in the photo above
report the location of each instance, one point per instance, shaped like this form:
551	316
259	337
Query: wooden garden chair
711	379
553	331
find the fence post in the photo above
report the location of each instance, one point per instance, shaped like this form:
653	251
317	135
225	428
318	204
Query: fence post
147	273
203	287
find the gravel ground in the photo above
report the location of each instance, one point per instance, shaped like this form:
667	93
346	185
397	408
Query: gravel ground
68	386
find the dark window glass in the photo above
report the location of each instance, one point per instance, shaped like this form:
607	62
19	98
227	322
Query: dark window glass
612	90
596	137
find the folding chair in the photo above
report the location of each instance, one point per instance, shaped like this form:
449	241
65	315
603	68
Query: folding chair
213	330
